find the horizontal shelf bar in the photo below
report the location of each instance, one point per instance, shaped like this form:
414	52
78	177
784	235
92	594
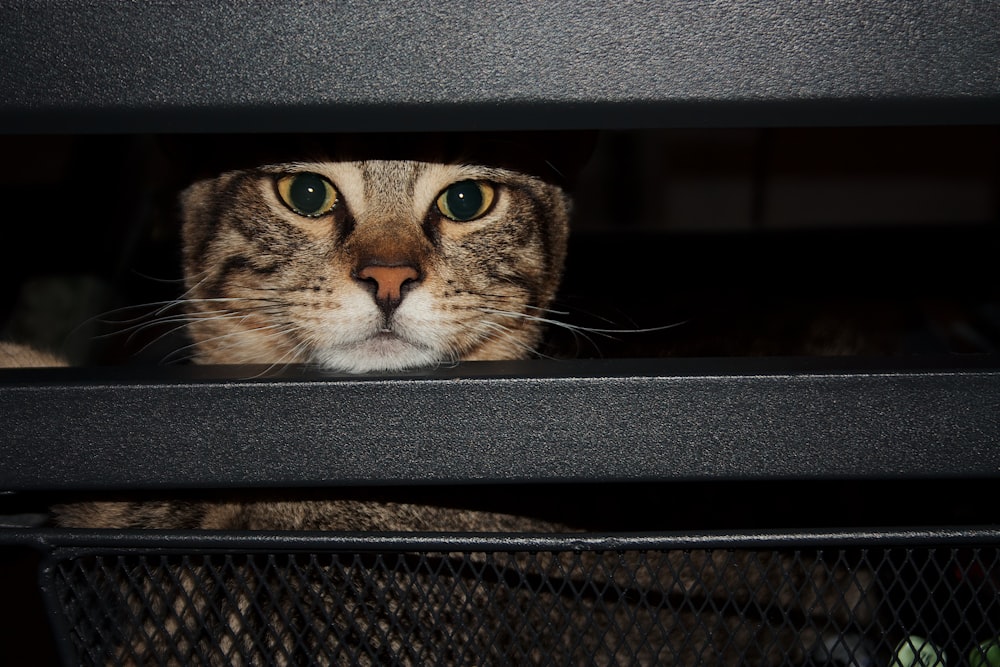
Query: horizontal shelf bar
496	422
120	66
128	541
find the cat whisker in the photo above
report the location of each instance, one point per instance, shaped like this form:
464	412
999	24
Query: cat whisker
286	360
551	311
280	290
162	281
503	298
152	319
577	332
273	330
495	328
296	352
515	303
575	327
156	319
160	307
576	309
143	308
183	322
299	351
180	327
452	361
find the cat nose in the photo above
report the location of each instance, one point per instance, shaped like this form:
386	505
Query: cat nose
389	282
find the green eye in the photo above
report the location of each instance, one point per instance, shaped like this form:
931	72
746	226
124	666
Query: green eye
465	200
307	194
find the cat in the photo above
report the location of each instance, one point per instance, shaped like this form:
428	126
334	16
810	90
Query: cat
379	264
359	265
398	265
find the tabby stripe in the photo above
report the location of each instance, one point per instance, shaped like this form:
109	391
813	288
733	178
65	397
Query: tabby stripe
208	226
517	280
343	224
538	211
431	227
411	183
411	178
234	264
243	263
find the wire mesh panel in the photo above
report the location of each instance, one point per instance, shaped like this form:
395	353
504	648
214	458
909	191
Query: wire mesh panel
632	604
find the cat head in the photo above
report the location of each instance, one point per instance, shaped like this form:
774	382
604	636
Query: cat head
367	265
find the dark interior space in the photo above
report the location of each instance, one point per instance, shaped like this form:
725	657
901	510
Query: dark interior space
851	241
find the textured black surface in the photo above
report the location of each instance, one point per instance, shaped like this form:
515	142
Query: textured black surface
76	65
675	596
683	419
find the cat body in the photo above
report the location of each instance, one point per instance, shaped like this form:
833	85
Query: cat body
14	355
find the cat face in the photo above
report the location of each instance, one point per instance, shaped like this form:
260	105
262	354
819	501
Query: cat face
371	265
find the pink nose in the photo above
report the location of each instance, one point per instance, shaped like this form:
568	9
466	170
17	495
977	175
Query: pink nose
389	281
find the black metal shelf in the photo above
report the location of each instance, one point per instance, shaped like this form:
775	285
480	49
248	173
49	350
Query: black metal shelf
502	422
77	66
73	66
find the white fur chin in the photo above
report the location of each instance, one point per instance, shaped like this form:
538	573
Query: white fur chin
376	354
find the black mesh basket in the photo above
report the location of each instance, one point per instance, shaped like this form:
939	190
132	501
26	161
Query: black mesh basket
829	599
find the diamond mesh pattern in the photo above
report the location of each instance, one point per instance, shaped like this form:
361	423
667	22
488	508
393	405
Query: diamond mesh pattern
681	606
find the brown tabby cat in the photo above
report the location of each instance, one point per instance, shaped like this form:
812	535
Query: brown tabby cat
377	265
385	264
359	266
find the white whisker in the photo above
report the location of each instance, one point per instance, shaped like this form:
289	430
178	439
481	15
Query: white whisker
575	327
504	333
510	337
551	311
277	329
183	320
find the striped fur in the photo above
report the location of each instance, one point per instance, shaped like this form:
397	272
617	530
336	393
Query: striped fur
266	285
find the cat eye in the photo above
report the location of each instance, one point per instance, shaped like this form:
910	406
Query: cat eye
307	194
465	200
